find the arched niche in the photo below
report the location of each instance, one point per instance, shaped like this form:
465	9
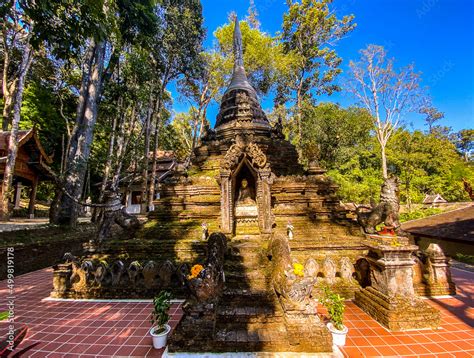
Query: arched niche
245	159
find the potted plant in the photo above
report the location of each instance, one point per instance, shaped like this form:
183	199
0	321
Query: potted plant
159	319
335	306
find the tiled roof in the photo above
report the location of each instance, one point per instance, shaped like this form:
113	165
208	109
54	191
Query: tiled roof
453	225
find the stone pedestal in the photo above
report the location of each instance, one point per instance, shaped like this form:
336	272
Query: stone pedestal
61	280
391	299
439	280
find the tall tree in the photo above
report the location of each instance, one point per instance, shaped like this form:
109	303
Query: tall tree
175	52
119	24
386	93
311	29
465	143
432	115
16	33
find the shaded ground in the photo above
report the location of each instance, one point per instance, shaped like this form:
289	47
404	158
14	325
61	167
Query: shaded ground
105	329
24	223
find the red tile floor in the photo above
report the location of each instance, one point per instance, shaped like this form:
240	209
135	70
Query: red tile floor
106	329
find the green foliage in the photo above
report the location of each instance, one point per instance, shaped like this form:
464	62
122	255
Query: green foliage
263	55
310	30
428	163
464	141
161	307
334	303
332	134
468	259
419	214
3	315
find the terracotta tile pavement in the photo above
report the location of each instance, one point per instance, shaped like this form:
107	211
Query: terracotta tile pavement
114	329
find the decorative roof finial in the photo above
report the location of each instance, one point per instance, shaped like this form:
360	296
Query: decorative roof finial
238	51
239	77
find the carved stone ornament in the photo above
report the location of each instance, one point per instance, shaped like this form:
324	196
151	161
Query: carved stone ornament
255	155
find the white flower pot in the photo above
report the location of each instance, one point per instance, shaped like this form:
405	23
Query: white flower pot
338	337
159	340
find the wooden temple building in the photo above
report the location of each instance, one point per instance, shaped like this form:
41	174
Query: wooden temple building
29	166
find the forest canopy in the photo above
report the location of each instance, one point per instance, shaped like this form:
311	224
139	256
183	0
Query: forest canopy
96	79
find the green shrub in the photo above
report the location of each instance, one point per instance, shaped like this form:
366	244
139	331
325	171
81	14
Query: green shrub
161	307
334	303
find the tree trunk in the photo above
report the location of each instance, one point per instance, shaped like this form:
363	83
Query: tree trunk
151	192
82	135
108	163
151	111
384	162
7	91
13	140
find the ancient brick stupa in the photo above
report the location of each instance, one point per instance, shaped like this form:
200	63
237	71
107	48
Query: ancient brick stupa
265	214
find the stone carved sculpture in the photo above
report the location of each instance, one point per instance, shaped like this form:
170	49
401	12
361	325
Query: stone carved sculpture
255	155
69	257
89	275
165	273
204	231
150	271
102	274
117	270
82	274
133	271
208	285
278	129
293	292
115	212
329	270
346	269
432	272
385	212
311	268
289	230
246	194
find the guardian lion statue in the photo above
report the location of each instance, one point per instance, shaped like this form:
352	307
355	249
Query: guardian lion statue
385	212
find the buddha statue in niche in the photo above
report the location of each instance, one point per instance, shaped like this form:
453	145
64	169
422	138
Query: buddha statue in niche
246	194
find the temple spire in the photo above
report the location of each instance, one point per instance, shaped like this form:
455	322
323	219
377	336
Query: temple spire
238	51
239	77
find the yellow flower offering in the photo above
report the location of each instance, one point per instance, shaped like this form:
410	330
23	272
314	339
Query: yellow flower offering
195	271
298	270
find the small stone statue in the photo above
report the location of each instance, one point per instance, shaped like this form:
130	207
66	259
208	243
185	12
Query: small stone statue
245	194
293	292
205	231
278	128
87	209
346	269
329	270
115	213
385	212
289	230
209	284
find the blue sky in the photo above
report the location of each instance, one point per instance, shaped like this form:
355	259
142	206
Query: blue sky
437	35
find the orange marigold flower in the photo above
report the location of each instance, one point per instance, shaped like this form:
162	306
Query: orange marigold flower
195	271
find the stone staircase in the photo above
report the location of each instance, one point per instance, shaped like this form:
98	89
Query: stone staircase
249	316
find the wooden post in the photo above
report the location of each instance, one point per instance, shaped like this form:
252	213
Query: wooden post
31	205
17	195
